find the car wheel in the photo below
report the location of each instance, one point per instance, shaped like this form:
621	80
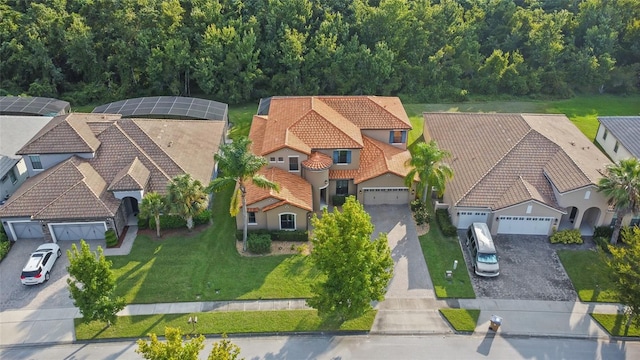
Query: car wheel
59	253
47	276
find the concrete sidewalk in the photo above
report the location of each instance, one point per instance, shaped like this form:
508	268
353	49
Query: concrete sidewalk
397	316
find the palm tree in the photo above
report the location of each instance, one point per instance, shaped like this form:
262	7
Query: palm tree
186	198
426	162
237	167
621	185
153	204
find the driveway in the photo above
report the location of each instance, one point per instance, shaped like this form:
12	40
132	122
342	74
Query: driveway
529	270
48	295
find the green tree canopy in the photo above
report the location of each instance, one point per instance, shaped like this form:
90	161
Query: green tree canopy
186	197
173	348
427	163
92	284
357	268
153	204
624	264
621	185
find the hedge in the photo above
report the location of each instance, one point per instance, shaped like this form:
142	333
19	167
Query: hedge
259	244
444	222
111	238
176	222
338	200
571	236
277	235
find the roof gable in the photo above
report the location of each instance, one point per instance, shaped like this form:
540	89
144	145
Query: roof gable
294	190
135	177
378	158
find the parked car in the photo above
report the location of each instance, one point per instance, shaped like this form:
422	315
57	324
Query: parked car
38	268
483	251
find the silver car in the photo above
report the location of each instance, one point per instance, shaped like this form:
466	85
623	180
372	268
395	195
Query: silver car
38	268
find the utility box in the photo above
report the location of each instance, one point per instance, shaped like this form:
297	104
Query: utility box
495	322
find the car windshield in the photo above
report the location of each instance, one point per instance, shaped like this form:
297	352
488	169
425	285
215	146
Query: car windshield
487	258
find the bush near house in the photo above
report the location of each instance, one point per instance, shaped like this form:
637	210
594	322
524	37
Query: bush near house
176	222
566	237
111	238
278	235
444	222
5	245
259	244
420	212
603	231
338	200
603	243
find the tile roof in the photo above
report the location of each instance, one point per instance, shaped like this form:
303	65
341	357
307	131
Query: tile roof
131	153
501	160
626	129
378	158
294	190
318	161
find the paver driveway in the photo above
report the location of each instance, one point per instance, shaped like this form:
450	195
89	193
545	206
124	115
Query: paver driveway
529	270
48	295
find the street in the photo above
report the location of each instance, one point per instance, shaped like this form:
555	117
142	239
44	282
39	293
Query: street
362	347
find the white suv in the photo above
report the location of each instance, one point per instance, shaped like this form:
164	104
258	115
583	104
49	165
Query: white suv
38	268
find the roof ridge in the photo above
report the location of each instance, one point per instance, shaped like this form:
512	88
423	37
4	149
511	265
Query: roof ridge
71	161
159	147
327	120
370	99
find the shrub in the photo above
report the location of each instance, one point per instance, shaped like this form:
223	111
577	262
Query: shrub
416	204
4	248
259	244
111	238
338	200
566	237
283	235
603	243
168	222
444	222
421	215
3	235
143	223
202	218
603	231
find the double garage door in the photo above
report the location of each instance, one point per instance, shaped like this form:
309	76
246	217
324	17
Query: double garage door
524	225
77	231
386	196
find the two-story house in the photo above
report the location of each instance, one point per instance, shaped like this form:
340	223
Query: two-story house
321	148
89	172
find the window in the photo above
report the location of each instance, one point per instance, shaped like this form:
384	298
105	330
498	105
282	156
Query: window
280	159
587	195
529	209
397	137
36	164
604	136
12	176
342	157
287	221
272	159
293	163
251	217
342	187
615	148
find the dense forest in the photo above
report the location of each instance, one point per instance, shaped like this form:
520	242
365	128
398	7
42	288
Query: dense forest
236	50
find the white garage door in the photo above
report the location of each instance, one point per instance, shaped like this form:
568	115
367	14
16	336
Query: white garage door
77	231
466	218
524	225
26	229
382	196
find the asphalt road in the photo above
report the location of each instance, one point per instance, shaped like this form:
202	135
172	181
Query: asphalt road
362	347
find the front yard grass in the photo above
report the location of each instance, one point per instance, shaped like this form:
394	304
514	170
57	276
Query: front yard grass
206	266
616	325
464	320
236	322
589	275
440	252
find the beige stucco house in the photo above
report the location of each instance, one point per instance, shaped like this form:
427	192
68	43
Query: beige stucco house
520	173
320	147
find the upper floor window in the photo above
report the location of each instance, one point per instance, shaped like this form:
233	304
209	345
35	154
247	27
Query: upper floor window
397	137
36	164
251	217
342	157
280	159
293	163
615	148
12	176
287	221
604	136
272	159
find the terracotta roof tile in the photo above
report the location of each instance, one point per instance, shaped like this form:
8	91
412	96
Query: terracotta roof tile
294	190
378	158
370	112
318	161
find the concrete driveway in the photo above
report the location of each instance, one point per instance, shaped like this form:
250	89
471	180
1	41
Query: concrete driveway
48	295
529	270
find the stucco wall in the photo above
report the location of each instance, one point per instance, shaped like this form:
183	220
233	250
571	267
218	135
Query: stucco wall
383	136
584	199
50	160
355	159
285	154
609	143
271	219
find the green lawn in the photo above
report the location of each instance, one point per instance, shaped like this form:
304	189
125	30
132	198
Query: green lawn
240	116
440	252
462	319
239	322
616	325
589	275
206	266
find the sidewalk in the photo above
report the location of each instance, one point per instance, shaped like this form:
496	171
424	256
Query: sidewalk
395	317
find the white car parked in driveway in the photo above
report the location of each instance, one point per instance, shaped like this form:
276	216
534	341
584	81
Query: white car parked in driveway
38	268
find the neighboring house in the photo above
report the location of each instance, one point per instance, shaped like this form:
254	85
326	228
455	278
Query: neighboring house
520	174
322	148
619	136
15	131
89	172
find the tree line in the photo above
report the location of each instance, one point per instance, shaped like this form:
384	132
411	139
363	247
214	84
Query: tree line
239	50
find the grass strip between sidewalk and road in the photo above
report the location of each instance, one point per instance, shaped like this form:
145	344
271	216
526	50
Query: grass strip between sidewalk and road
463	320
589	275
615	325
229	322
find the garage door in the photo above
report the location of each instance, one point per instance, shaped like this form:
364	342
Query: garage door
466	218
26	229
382	196
524	225
86	231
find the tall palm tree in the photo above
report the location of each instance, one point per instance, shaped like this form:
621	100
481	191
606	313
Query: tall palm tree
237	167
426	162
186	197
621	185
153	204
